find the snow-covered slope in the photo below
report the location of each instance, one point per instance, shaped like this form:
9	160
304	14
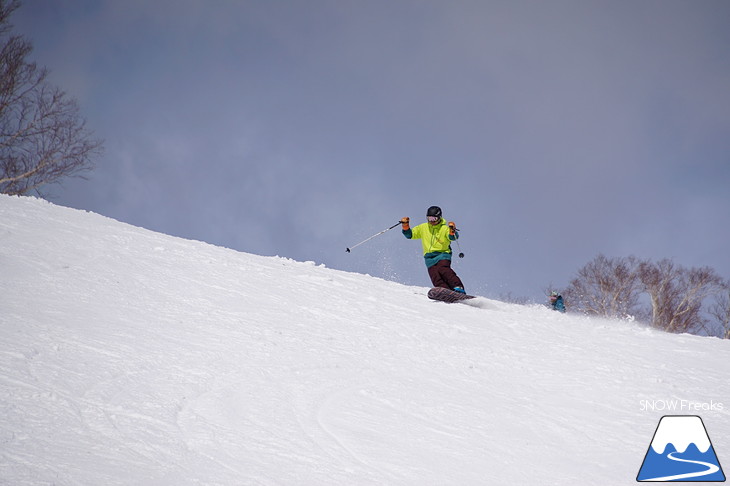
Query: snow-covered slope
129	357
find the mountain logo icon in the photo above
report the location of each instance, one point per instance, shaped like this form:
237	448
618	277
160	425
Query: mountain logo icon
681	451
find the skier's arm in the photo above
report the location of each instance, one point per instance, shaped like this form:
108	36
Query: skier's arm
453	234
405	222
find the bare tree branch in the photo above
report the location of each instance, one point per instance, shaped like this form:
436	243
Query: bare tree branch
607	287
677	294
612	287
43	138
721	310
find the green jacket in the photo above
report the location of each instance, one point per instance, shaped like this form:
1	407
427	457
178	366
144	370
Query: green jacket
435	239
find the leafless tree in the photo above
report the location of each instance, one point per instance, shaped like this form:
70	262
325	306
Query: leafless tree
677	294
606	287
721	310
42	136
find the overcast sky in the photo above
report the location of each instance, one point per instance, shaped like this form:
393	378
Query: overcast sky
549	131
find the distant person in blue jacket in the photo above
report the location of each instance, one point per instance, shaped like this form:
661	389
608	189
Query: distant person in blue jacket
556	301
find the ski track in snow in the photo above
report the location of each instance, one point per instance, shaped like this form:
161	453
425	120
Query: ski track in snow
133	358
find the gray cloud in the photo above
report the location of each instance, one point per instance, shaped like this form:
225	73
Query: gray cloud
549	131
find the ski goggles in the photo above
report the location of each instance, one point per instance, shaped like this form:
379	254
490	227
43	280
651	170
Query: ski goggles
433	219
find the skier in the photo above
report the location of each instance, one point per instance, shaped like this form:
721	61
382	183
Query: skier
436	237
556	301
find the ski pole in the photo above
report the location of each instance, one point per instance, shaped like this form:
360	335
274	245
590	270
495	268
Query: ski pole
461	254
368	239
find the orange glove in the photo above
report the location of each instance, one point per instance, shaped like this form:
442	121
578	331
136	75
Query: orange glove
405	222
452	228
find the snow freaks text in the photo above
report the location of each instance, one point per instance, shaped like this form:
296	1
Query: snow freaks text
677	405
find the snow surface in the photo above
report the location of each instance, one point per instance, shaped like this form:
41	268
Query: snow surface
129	357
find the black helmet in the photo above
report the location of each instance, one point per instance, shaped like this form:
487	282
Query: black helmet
434	211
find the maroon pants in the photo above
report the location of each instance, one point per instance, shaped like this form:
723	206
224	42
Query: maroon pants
443	276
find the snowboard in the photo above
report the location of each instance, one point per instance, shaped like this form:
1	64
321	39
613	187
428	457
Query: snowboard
447	295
